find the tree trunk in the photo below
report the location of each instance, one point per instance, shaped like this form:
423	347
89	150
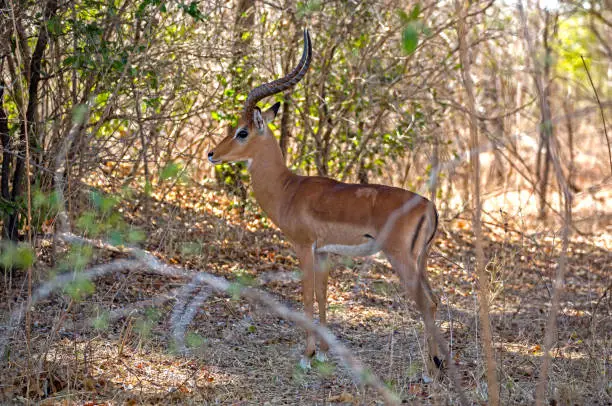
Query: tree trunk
27	128
6	148
546	126
493	388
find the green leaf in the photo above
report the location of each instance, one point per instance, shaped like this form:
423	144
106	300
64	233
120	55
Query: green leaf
79	114
54	26
325	368
80	288
107	204
415	12
135	236
102	321
20	256
234	290
96	198
115	238
148	188
171	170
24	257
308	7
191	248
193	10
410	39
403	17
88	223
39	199
194	340
79	257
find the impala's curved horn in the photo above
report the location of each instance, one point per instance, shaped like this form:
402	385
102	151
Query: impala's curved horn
279	85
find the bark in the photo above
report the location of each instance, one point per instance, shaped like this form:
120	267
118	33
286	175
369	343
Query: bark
26	138
569	111
435	163
5	138
362	173
546	126
285	127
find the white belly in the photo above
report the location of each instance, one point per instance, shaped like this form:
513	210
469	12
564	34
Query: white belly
361	250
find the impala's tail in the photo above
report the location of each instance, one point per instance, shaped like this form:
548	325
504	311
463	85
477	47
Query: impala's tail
431	215
433	223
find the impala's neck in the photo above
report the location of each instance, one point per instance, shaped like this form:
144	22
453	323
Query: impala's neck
269	176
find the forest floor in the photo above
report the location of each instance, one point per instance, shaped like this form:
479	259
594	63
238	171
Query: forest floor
241	354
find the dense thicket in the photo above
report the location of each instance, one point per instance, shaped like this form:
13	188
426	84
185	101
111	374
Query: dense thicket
152	83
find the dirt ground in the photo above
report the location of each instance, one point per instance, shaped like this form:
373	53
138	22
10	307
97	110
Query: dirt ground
241	354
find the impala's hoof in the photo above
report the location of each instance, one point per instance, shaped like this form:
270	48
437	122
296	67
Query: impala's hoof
438	362
321	356
305	363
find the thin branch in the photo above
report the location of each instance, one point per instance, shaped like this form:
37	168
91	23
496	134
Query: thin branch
60	169
603	117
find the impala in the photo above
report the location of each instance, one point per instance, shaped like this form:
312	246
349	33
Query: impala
322	216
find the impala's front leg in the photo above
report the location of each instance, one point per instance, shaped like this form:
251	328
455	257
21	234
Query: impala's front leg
321	275
306	258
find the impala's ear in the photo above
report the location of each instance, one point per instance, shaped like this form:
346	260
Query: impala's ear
270	114
258	121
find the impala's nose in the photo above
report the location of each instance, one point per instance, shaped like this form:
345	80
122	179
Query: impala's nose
210	156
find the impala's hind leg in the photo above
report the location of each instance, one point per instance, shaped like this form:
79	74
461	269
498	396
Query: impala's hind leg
416	287
431	303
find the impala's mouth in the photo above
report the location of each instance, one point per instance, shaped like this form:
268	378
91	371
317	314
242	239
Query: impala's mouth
214	161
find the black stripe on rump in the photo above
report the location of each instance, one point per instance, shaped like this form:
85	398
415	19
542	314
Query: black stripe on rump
416	232
433	233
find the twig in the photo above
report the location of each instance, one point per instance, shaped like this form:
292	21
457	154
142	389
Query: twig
603	117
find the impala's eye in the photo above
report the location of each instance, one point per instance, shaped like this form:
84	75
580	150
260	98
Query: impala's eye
242	134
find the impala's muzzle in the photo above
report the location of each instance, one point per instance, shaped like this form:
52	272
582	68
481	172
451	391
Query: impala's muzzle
211	159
